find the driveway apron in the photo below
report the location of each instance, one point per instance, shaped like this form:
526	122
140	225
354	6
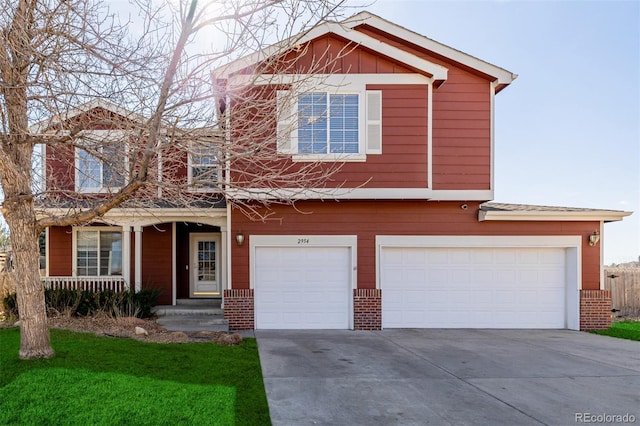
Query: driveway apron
448	377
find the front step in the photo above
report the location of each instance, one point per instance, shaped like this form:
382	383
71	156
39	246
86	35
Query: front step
199	302
193	323
192	315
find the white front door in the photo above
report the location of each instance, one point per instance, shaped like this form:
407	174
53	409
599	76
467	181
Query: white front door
205	256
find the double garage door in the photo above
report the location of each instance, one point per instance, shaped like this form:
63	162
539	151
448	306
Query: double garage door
473	287
311	286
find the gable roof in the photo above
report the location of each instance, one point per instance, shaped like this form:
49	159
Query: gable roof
86	107
437	72
347	29
502	77
527	212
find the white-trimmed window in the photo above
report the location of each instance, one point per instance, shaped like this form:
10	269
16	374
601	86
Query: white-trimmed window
97	252
102	166
330	126
203	166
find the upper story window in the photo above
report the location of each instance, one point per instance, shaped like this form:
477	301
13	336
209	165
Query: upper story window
102	166
203	166
98	252
328	123
326	126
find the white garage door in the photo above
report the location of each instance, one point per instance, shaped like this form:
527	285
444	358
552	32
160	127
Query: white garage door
302	287
473	287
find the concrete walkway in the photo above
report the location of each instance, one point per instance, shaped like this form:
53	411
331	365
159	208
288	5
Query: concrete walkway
448	377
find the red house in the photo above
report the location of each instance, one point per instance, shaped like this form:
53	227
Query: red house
402	234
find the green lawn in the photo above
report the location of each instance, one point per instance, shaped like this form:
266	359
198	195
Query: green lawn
625	330
104	381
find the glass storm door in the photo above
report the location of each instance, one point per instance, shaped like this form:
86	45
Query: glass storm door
205	265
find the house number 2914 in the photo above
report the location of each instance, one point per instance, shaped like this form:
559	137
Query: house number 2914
303	241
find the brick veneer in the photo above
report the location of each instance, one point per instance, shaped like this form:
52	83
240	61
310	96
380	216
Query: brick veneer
595	309
238	309
367	309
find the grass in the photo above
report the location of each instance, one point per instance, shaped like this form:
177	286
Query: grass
103	381
624	330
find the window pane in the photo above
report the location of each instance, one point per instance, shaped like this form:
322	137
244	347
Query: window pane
312	123
204	164
206	261
42	242
88	171
87	253
344	124
114	165
110	253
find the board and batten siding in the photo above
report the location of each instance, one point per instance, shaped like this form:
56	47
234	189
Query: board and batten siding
366	219
331	54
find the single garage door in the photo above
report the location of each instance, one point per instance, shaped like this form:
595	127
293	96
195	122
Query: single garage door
302	287
473	287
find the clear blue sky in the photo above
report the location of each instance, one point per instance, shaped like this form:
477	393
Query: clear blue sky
568	128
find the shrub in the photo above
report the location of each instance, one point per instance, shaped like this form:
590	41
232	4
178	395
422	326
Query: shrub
10	303
86	302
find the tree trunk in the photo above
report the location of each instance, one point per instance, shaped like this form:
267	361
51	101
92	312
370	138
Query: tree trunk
34	330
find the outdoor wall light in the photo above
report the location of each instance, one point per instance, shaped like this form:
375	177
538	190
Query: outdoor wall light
594	238
240	238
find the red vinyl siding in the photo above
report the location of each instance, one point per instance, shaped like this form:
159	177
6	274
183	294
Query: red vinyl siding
366	219
461	121
461	157
156	260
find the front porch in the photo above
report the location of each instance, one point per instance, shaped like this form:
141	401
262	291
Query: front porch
185	256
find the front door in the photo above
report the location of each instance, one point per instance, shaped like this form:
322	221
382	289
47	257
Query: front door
204	279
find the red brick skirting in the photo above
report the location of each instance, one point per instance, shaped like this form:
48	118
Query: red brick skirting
238	309
367	309
595	309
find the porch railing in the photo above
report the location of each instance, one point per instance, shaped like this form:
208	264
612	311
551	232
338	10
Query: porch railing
86	283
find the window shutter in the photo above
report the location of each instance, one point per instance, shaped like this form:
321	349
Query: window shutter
374	121
286	115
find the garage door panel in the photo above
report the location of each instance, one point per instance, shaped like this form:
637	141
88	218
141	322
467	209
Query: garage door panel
302	287
473	287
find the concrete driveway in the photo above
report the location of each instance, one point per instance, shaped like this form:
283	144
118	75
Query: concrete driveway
448	377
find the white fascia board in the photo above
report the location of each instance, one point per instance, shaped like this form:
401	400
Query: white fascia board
336	81
81	109
501	75
438	72
491	241
361	194
553	216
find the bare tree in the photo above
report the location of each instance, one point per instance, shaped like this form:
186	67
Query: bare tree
57	56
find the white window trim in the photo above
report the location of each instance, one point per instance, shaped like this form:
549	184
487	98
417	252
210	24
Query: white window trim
74	248
337	84
336	157
100	134
190	165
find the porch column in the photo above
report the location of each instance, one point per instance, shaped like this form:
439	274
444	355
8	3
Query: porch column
126	255
137	229
223	261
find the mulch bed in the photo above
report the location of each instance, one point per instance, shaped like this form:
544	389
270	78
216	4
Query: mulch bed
146	330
